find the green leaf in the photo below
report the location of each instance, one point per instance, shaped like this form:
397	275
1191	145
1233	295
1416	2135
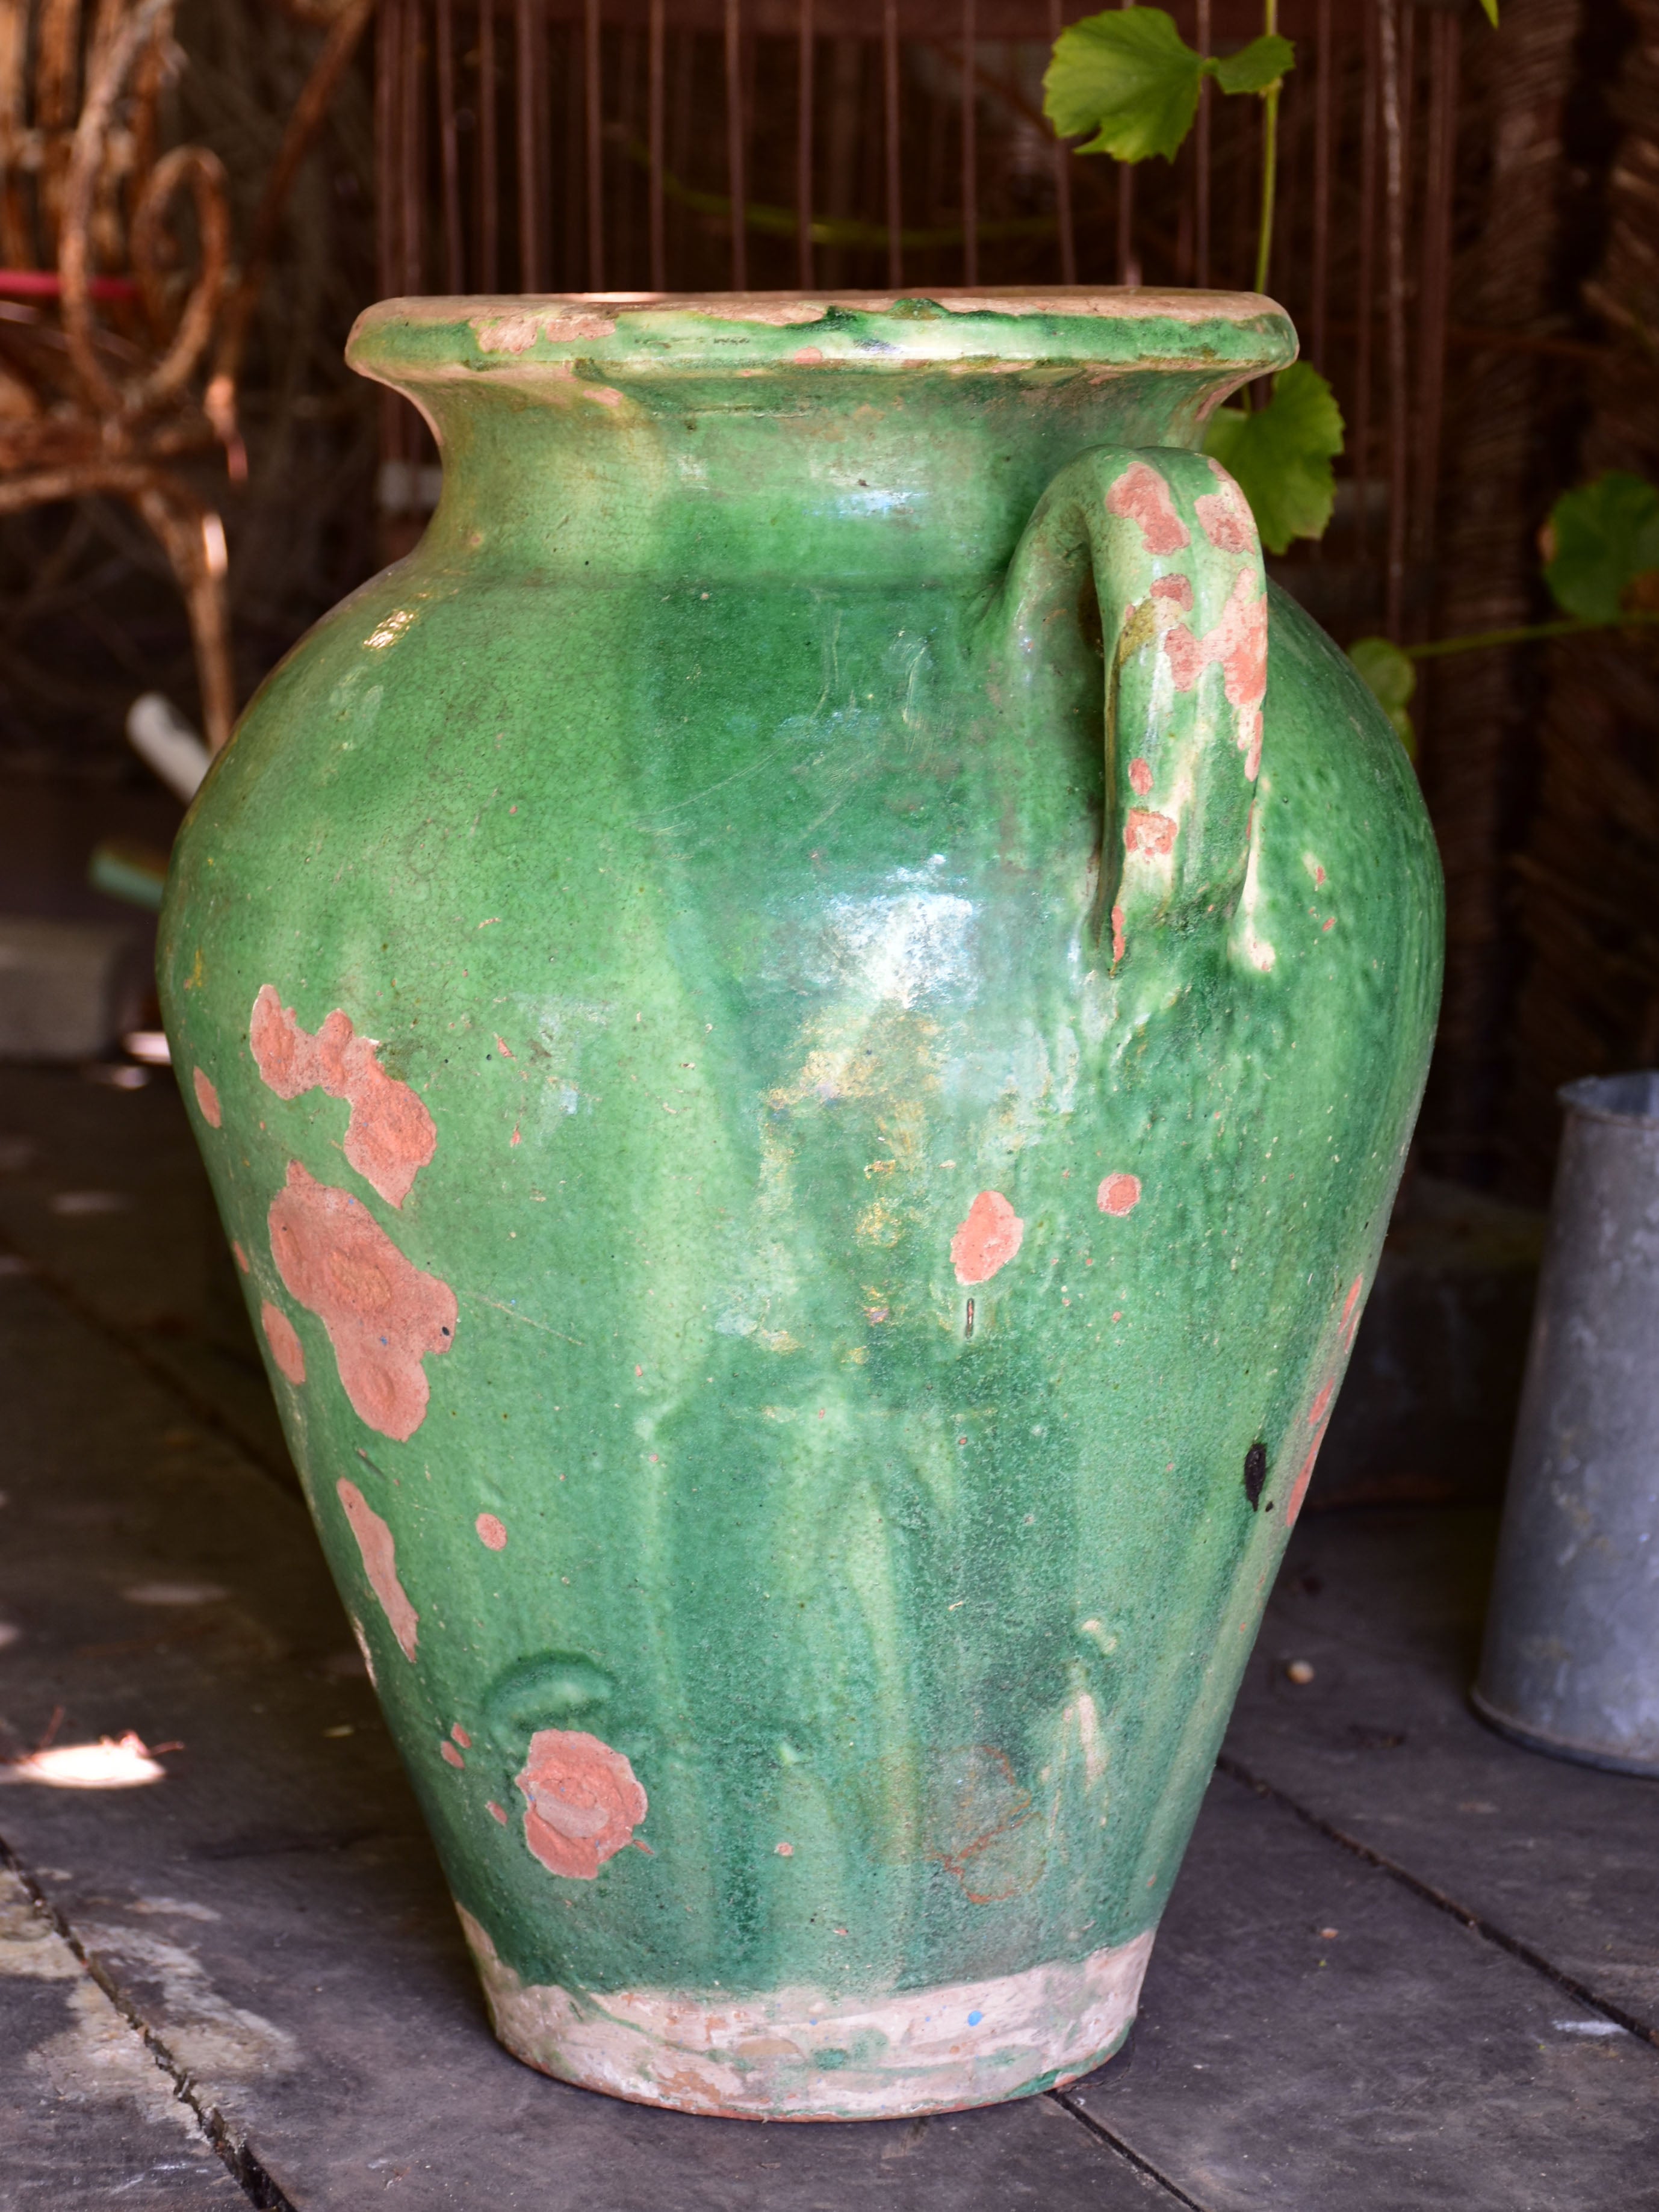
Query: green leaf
1391	680
1280	456
1255	67
1598	540
1129	77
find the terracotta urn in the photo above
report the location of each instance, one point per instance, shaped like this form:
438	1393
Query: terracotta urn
805	1024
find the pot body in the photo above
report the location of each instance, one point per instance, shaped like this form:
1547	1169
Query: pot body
807	1097
1571	1663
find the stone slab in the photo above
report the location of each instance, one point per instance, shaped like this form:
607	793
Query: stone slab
1314	2035
88	2117
1387	1607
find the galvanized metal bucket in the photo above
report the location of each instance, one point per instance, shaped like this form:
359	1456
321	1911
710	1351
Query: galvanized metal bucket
1571	1659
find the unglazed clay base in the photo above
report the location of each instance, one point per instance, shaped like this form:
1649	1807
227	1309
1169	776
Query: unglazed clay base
797	2056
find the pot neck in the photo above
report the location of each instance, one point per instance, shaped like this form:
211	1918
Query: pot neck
800	440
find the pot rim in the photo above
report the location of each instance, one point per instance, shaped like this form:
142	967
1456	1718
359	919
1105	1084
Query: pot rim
988	329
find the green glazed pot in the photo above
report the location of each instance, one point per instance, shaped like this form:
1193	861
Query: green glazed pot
807	1077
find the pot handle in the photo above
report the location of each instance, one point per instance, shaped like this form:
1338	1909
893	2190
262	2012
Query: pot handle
1177	573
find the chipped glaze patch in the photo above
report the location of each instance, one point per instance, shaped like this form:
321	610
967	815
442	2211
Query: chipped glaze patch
1151	834
801	2053
1305	1473
1118	1195
286	1348
208	1099
516	334
987	1239
780	314
1237	645
391	1136
1224	516
1140	496
238	1255
383	1315
582	1801
1319	1414
1140	777
492	1532
375	1542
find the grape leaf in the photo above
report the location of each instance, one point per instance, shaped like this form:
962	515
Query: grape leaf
1255	67
1391	679
1598	540
1129	76
1280	456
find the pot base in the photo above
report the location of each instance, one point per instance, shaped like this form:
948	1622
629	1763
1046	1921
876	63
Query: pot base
794	2055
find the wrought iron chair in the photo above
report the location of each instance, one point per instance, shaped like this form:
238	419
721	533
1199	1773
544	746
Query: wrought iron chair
107	379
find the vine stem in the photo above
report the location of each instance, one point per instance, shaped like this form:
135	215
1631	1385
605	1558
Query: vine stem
1527	634
1269	161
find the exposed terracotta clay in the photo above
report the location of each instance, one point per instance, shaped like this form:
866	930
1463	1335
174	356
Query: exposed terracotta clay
492	1532
382	1314
1118	940
1299	1488
1224	516
1141	496
286	1348
518	333
1237	645
756	308
391	1136
375	1541
448	1753
1118	1195
208	1099
1319	1414
583	1801
1140	777
1150	833
987	1239
1177	590
238	1255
